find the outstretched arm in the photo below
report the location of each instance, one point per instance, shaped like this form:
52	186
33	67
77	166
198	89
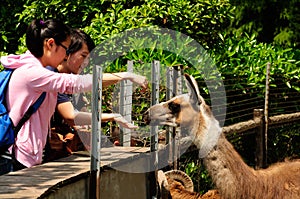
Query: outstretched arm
113	78
118	119
84	118
73	118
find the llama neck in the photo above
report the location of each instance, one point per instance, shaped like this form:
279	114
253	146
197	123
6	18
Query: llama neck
205	142
227	169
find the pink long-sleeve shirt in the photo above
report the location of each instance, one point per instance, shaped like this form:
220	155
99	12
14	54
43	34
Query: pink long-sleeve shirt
28	81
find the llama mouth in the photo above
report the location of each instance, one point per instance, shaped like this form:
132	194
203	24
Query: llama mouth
159	120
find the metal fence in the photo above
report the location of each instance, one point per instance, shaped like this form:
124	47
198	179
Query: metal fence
258	115
258	112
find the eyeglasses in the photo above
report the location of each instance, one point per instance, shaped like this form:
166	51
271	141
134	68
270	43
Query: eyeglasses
68	51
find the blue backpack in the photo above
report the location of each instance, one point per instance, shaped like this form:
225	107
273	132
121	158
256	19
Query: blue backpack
8	131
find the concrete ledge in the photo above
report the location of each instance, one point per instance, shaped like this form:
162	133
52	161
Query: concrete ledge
69	177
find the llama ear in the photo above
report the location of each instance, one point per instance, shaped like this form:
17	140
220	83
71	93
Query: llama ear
194	92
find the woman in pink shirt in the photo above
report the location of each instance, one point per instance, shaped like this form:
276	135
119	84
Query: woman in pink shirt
47	43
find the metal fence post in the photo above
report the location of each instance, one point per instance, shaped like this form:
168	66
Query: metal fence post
94	192
266	112
169	132
126	106
177	89
155	76
154	100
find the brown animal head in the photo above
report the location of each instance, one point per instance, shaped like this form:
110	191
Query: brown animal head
191	113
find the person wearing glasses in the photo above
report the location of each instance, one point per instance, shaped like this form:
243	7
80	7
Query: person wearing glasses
48	43
71	108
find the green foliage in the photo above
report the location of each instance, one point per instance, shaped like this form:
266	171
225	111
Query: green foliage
243	56
231	31
283	144
242	61
202	20
75	13
272	20
11	27
194	168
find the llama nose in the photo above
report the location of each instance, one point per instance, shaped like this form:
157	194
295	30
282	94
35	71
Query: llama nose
146	117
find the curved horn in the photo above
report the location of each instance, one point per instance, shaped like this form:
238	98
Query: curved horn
181	177
163	184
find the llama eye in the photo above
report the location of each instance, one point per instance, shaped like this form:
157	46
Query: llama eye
199	102
173	107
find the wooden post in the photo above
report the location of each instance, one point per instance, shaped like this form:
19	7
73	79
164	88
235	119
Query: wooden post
260	156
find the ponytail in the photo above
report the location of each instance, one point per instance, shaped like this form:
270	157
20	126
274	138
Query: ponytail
40	30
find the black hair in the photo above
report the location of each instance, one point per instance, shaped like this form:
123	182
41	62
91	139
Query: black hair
40	30
78	38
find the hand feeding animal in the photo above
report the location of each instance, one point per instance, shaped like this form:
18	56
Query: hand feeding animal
233	178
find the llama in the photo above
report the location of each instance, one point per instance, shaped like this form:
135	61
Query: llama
232	177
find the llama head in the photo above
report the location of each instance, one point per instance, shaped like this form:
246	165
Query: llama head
189	112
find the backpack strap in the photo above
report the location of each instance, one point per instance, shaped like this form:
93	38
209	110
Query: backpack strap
32	109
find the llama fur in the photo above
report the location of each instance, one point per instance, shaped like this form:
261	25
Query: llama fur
233	178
